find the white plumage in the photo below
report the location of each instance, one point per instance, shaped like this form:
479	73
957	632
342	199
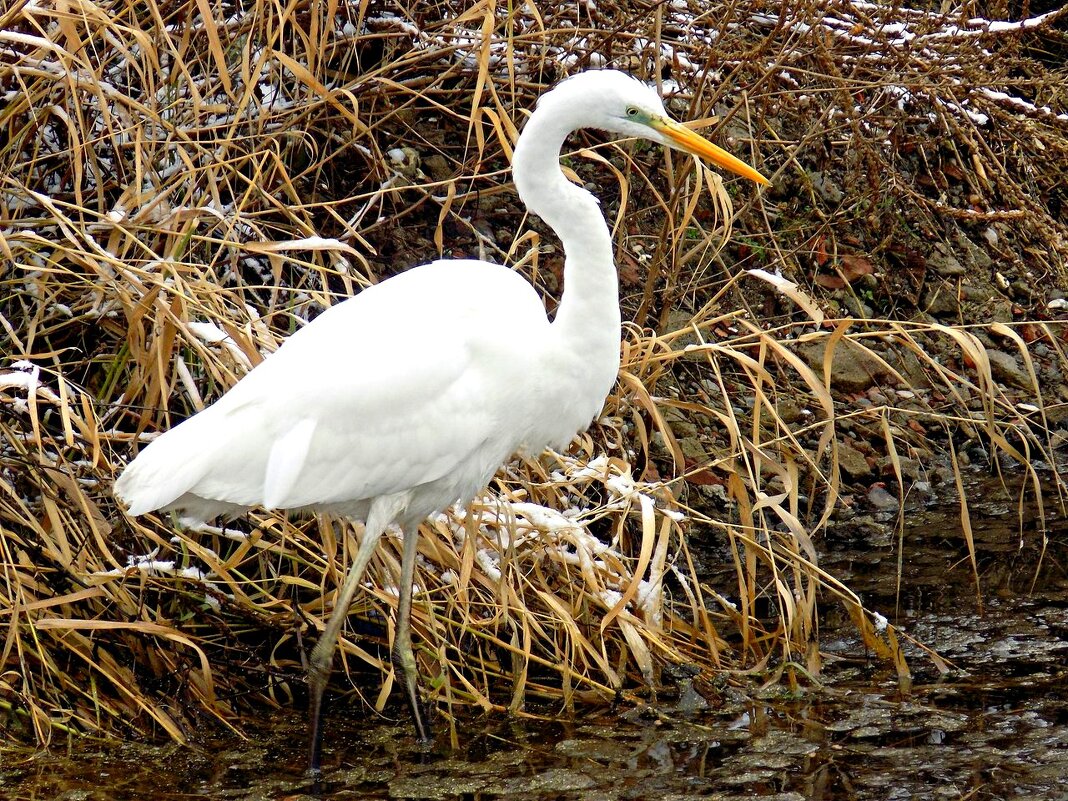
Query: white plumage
406	398
387	392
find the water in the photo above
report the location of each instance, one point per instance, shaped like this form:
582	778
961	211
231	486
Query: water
993	726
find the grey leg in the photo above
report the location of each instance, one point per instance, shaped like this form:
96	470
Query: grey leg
403	657
322	657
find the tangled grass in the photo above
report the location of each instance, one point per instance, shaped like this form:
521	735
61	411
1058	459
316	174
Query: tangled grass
185	183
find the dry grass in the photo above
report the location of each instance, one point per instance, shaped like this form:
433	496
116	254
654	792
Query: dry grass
179	192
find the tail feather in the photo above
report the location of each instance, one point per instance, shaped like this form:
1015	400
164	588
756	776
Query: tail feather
163	472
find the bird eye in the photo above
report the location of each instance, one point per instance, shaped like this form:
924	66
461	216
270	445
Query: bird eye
632	111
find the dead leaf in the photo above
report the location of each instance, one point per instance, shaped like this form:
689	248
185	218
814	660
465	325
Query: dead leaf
829	281
953	171
629	271
853	267
702	477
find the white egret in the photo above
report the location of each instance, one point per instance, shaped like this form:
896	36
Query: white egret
398	402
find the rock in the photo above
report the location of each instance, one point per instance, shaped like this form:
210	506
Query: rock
856	307
854	368
677	320
693	450
880	498
941	300
1020	289
687	434
681	424
976	294
1001	311
943	476
437	167
405	161
789	410
658	448
908	364
974	254
911	469
852	462
826	188
1007	370
943	262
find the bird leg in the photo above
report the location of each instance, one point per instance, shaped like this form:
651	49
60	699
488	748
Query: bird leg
323	655
402	655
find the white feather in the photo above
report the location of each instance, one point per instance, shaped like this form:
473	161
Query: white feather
286	462
398	388
424	384
407	397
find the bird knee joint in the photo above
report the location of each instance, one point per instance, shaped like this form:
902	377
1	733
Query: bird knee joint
319	665
403	658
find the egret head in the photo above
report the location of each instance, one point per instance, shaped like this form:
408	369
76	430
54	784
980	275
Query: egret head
619	103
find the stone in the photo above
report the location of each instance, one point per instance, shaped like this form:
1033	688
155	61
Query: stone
1006	369
941	300
852	462
943	262
854	368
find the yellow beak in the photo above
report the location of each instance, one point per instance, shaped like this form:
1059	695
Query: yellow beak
694	143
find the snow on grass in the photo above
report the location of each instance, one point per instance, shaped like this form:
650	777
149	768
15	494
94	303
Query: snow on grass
505	526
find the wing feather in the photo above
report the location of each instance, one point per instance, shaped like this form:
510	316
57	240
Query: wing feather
285	462
391	390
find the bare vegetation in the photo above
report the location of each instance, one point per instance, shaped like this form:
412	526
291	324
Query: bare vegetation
179	191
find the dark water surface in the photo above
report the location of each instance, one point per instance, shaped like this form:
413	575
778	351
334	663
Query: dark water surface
994	727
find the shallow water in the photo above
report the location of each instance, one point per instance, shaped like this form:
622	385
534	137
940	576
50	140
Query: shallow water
994	727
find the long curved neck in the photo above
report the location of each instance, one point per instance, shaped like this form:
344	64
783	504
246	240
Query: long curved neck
588	315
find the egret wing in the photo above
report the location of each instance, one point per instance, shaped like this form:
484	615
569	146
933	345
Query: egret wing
367	400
